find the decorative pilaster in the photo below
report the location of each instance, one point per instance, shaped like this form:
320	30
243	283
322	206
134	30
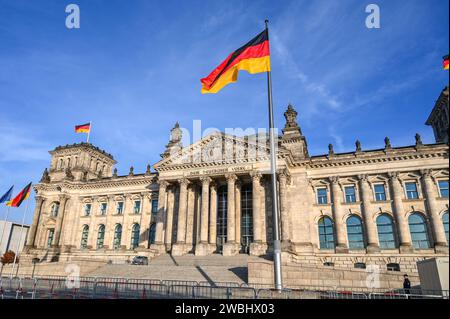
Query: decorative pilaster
213	215
285	222
341	244
59	220
369	223
238	210
400	216
440	240
257	247
168	224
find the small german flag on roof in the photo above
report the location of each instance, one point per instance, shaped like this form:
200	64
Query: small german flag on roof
83	128
445	63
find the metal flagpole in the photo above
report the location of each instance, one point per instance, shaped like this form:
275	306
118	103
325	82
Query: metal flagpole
273	172
19	243
89	133
4	225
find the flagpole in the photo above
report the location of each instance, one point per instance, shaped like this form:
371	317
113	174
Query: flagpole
273	173
89	132
4	225
20	239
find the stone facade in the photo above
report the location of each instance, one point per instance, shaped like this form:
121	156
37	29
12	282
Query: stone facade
386	206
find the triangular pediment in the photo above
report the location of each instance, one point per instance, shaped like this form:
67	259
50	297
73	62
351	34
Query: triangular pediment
218	148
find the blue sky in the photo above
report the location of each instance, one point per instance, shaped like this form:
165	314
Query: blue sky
133	68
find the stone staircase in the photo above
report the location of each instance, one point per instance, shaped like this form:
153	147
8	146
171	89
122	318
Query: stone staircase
213	269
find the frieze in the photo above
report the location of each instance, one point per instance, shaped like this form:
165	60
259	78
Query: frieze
220	171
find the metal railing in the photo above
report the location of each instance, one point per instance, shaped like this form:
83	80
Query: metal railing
54	287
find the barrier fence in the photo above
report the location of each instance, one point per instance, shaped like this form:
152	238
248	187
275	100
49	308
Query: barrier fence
54	287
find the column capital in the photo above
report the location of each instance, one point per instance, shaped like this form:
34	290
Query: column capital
163	184
256	176
39	198
184	182
206	180
426	173
334	180
63	197
230	177
364	178
284	176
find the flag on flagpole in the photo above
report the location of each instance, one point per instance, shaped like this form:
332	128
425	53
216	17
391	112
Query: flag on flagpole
7	196
445	63
84	128
253	57
23	195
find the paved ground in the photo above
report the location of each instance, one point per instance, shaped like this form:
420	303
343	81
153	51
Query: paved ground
214	268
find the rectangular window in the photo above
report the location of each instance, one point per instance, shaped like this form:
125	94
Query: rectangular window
103	208
443	189
411	190
380	193
87	209
154	206
350	194
137	207
51	233
119	209
322	197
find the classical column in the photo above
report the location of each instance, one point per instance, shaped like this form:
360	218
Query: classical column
341	244
202	248
285	222
440	240
146	213
231	248
213	215
169	218
369	223
162	196
179	247
36	217
59	220
400	216
238	210
256	209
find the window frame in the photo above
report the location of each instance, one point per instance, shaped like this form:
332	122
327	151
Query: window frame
154	206
417	243
135	235
84	237
138	211
326	244
440	189
102	239
87	212
355	190
361	233
318	197
120	204
103	212
375	193
446	229
385	244
414	182
50	237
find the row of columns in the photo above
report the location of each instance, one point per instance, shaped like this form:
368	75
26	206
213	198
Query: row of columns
397	195
207	214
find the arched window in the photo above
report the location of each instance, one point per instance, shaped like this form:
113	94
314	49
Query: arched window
326	233
419	231
445	221
61	163
152	234
68	162
84	236
101	236
117	236
355	233
135	231
386	233
54	209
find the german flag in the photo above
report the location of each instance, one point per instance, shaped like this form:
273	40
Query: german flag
253	57
445	63
23	195
84	128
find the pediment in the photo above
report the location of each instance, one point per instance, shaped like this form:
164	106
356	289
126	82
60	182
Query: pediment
218	148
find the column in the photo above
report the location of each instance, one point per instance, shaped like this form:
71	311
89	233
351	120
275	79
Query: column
179	247
399	212
341	244
370	225
59	220
109	224
202	248
285	223
231	248
37	215
213	215
440	240
256	209
162	195
146	212
191	226
169	218
238	210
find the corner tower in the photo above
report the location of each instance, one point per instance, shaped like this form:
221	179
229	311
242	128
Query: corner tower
78	162
439	118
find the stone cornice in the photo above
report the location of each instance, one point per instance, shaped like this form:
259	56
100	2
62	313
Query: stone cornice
84	146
